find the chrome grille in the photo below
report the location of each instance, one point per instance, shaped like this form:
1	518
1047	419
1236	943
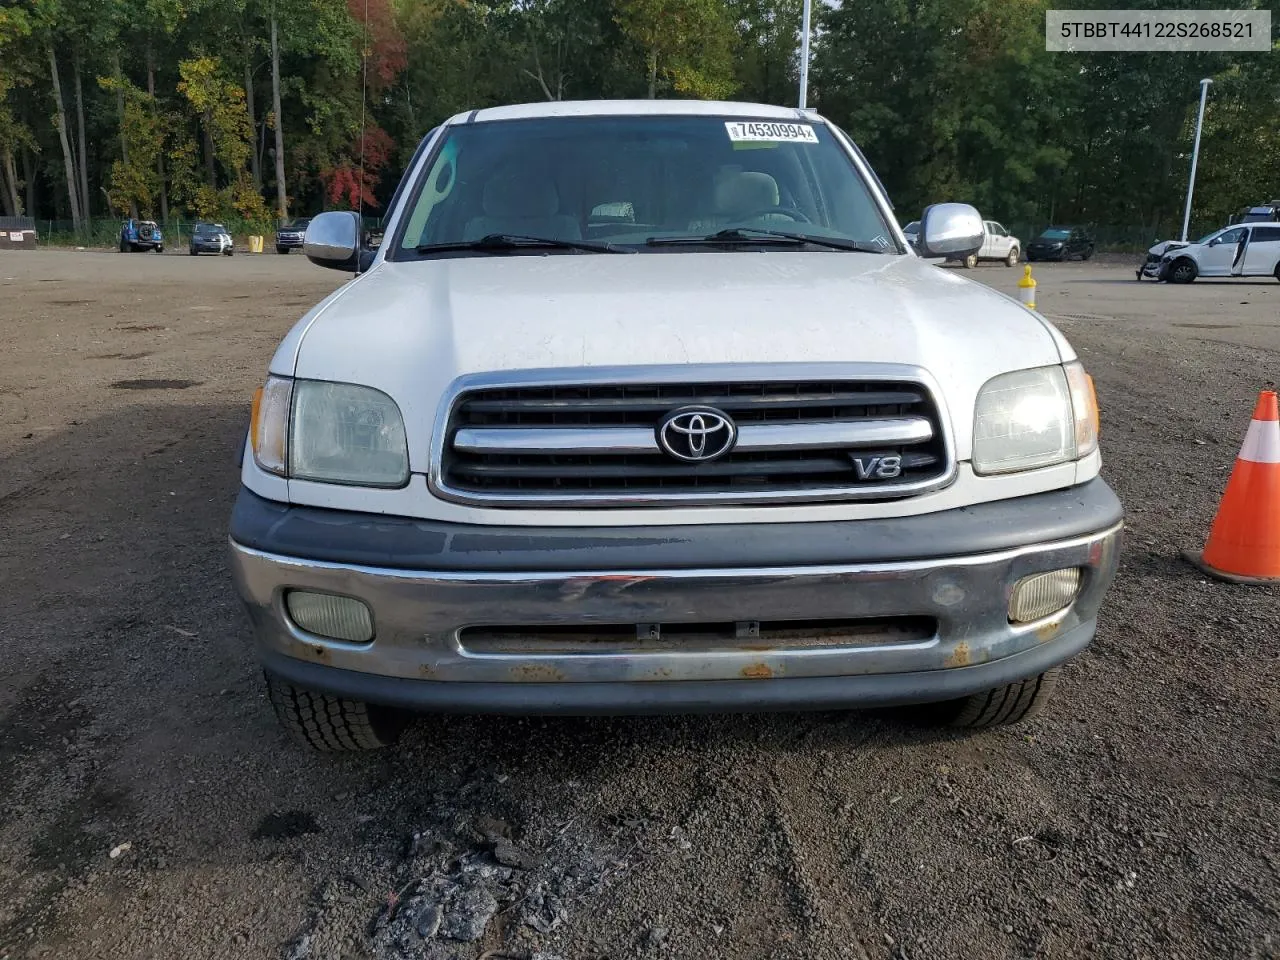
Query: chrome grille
596	443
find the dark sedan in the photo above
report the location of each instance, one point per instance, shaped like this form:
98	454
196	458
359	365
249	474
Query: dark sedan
290	236
1061	243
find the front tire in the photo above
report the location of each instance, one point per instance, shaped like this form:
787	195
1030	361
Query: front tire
1011	703
1183	270
229	252
1012	259
1088	252
332	724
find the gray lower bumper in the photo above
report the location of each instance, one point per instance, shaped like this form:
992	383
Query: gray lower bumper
426	653
687	696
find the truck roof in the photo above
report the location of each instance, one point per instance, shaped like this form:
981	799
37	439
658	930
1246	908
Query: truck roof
633	108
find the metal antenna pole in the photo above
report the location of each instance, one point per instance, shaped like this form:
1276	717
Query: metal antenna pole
1195	156
804	55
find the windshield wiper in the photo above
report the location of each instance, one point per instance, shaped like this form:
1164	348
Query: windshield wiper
760	235
497	242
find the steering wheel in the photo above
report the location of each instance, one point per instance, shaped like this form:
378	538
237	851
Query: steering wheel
789	212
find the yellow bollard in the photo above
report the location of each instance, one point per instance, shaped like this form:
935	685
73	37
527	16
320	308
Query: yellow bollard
255	244
1027	289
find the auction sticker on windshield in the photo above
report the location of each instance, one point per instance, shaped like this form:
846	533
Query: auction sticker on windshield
757	131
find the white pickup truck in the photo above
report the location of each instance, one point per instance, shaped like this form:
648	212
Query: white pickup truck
646	407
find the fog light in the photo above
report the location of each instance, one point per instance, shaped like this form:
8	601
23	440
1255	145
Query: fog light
1043	594
341	618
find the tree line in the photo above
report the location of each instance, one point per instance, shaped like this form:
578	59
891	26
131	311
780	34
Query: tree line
258	109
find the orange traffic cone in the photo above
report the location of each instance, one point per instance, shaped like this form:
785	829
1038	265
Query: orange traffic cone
1244	542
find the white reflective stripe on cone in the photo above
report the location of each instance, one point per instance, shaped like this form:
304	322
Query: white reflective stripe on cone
1262	442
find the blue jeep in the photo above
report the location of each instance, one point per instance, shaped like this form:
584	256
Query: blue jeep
141	235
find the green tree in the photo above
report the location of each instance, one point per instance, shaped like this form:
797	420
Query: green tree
15	26
220	105
135	181
689	43
766	65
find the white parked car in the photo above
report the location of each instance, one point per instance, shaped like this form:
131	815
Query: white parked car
648	407
1244	250
997	244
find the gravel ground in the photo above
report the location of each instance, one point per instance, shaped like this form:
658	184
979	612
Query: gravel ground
150	807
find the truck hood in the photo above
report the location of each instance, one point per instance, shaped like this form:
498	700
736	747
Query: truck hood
411	328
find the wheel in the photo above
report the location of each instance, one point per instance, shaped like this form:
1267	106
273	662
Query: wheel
124	247
1004	705
159	248
970	261
1012	259
1088	252
1278	270
192	251
229	251
332	724
1183	270
284	250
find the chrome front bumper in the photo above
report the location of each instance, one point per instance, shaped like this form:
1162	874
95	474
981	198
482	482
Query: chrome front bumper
420	655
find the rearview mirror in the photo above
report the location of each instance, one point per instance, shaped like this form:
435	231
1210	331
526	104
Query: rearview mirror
334	240
950	229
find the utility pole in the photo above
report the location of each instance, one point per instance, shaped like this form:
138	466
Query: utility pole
804	54
1195	156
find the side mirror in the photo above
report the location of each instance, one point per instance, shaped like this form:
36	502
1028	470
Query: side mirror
950	229
334	240
1215	241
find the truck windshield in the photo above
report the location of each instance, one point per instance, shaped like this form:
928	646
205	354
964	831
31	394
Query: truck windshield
639	183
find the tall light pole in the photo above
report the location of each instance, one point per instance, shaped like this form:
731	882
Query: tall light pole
1195	156
804	55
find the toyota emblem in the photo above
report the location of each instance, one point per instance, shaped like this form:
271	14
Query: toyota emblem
697	434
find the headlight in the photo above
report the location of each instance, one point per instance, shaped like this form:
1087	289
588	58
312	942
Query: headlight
1034	418
331	432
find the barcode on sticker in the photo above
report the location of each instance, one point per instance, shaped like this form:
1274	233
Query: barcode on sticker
755	131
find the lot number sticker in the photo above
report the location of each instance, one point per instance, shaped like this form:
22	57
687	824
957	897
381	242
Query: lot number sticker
756	131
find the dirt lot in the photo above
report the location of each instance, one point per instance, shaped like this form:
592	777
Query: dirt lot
1137	819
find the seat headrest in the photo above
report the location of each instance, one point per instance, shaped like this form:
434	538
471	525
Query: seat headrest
507	195
745	192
